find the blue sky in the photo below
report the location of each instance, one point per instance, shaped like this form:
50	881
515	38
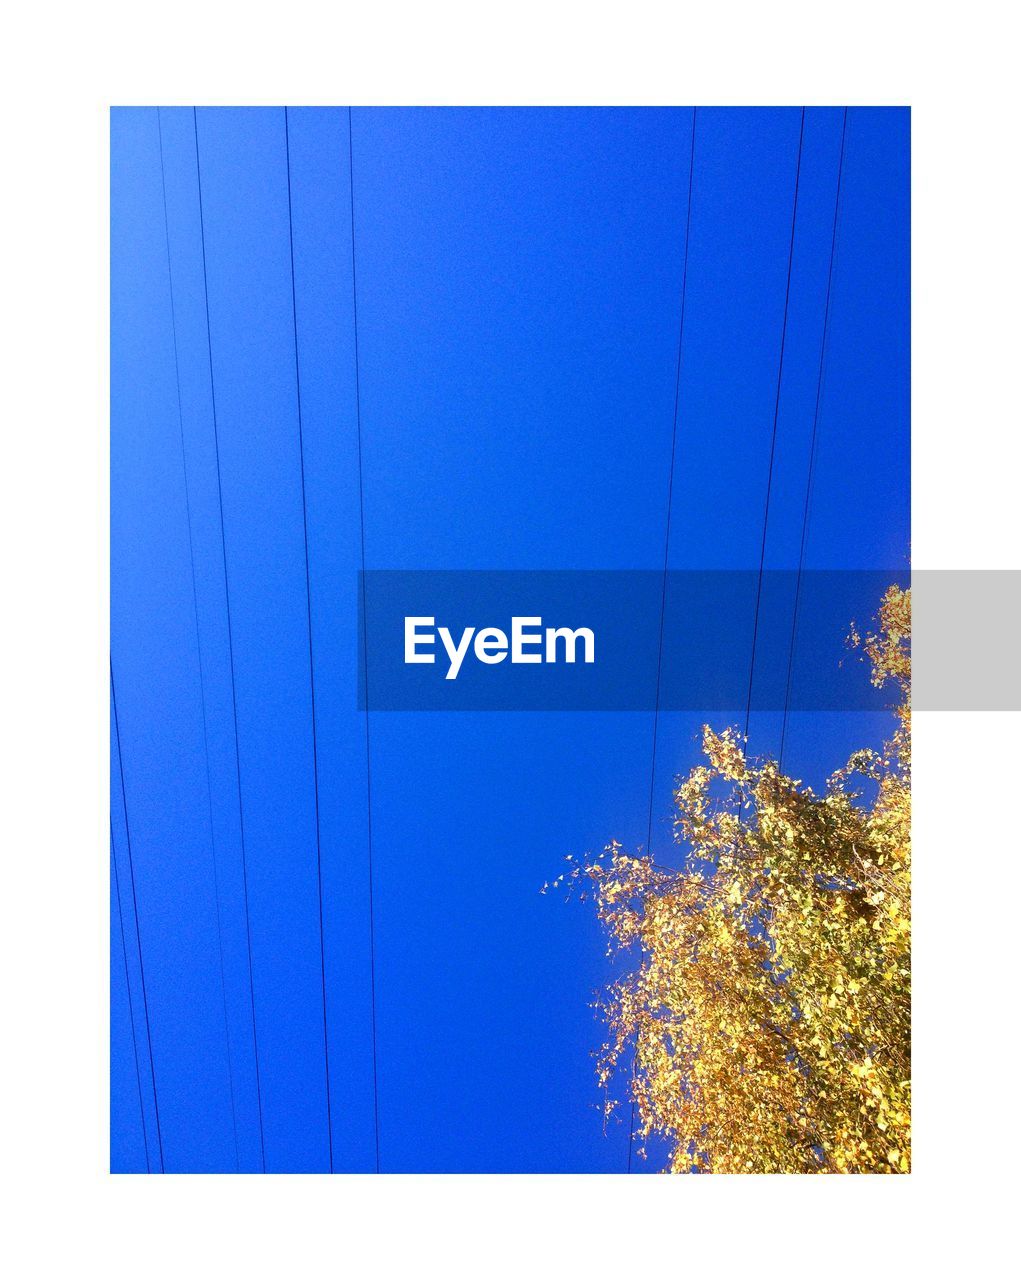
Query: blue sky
518	289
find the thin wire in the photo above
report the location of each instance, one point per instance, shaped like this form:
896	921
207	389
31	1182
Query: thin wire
666	551
134	904
365	656
811	452
198	644
776	416
311	660
230	644
670	482
131	1006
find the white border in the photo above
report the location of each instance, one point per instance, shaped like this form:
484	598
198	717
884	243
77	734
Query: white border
66	64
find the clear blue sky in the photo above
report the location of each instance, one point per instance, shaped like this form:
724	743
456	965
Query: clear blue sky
518	279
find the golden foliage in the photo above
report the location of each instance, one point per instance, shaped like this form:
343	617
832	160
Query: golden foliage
769	1014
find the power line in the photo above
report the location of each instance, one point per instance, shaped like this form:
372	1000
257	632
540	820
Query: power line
666	553
776	416
311	660
134	904
365	655
198	645
670	482
230	642
131	1005
811	452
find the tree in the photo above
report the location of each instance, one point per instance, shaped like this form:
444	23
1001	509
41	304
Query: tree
769	1011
